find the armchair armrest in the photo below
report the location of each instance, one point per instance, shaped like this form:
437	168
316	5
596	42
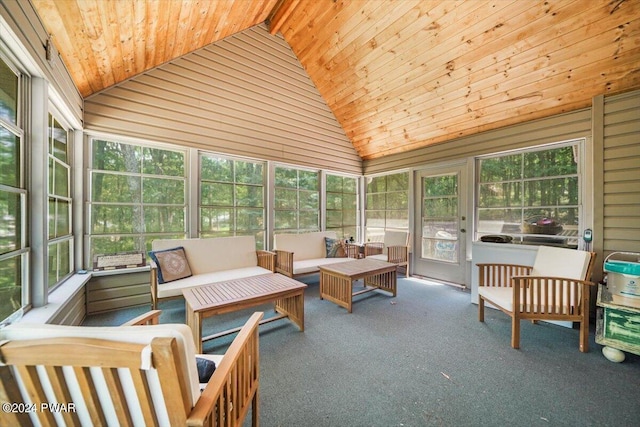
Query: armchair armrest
233	388
153	282
267	259
500	275
398	254
352	250
148	318
284	262
373	248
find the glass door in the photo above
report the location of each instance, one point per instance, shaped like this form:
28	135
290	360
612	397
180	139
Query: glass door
441	219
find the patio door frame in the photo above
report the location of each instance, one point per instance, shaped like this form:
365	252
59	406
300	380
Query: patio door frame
446	271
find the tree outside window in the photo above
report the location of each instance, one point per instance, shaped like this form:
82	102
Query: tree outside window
534	196
138	194
342	205
232	198
13	196
297	200
387	207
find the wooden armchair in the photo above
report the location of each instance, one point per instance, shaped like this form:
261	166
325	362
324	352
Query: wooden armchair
394	248
556	288
128	375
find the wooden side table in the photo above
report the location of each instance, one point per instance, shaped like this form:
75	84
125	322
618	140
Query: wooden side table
617	324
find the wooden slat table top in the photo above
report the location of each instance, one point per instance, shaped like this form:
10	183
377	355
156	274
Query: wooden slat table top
359	267
239	290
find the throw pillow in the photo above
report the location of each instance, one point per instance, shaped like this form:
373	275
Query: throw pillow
206	368
172	264
335	249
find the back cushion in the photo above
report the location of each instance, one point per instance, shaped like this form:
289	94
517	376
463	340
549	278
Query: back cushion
561	262
395	238
215	254
305	245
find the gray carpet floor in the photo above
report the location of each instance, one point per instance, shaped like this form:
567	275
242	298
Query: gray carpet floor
423	359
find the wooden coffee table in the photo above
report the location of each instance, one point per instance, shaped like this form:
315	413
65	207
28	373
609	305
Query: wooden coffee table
336	280
233	295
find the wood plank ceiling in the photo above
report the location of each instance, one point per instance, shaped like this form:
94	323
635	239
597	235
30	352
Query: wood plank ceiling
398	75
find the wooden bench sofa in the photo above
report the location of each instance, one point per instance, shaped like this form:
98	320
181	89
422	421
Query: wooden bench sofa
124	375
206	261
300	254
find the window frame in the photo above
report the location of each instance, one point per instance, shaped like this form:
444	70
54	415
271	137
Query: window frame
571	237
297	210
141	237
261	241
58	240
375	233
342	231
22	253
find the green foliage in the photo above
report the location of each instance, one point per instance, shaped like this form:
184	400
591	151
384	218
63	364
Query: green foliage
10	221
526	186
9	158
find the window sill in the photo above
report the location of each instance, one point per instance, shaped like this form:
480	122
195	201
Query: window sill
57	300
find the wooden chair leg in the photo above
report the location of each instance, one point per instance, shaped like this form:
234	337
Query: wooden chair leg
515	332
255	418
584	336
481	309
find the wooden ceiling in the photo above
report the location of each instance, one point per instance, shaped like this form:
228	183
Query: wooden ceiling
398	75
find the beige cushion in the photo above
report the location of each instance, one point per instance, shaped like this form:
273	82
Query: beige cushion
382	257
175	288
216	254
305	245
313	265
395	238
130	334
501	296
561	262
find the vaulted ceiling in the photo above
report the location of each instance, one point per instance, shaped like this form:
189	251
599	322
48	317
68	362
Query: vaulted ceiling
398	75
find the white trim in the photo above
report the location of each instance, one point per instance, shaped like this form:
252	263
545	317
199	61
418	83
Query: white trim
57	300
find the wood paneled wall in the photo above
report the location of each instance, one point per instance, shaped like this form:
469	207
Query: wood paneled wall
110	292
73	312
246	95
621	173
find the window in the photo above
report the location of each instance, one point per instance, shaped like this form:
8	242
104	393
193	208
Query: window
532	195
297	200
232	198
13	196
342	205
138	194
387	204
60	246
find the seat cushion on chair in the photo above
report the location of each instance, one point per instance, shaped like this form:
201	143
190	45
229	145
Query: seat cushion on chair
313	265
175	288
501	296
381	257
